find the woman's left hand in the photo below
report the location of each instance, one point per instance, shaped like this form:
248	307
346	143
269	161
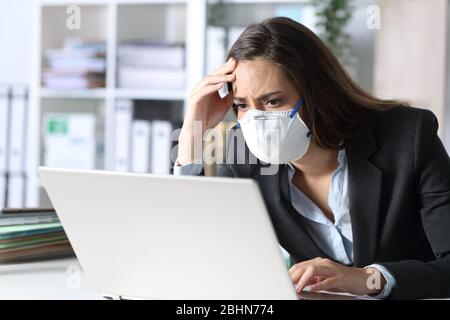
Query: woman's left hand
324	274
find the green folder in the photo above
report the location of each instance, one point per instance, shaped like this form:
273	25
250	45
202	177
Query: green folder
10	232
27	243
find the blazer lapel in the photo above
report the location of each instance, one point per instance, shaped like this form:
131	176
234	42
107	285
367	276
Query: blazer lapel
304	245
291	234
364	196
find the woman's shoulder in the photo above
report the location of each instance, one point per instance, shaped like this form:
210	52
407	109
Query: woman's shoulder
402	112
402	118
403	130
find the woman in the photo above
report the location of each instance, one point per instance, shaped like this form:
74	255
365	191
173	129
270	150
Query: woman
361	195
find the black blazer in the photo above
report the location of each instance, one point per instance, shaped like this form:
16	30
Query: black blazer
399	193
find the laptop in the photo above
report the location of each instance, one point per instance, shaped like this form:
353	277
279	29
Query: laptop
144	236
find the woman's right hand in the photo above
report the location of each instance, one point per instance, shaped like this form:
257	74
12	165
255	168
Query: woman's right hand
206	106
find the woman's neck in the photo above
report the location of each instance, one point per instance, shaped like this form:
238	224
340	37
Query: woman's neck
317	161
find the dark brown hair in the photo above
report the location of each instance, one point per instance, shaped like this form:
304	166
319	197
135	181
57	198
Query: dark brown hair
334	106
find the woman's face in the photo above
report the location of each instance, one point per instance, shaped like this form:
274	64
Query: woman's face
261	84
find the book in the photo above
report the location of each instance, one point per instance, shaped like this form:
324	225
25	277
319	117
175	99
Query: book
51	250
215	48
33	234
69	140
73	80
16	190
32	241
140	146
34	237
10	232
27	219
3	186
161	147
17	134
77	65
79	53
150	54
151	78
233	34
27	211
122	131
4	127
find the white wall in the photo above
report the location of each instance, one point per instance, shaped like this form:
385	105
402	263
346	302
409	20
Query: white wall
15	41
410	58
363	44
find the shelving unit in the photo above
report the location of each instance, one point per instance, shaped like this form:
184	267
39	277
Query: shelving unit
114	21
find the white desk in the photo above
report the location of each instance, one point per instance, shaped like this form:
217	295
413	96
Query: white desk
56	280
49	280
63	279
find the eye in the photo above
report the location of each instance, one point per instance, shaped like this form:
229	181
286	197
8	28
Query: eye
274	103
241	106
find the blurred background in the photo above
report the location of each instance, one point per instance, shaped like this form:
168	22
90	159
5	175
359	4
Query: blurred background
103	84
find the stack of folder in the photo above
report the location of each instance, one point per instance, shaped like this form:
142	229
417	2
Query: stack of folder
77	65
145	64
33	234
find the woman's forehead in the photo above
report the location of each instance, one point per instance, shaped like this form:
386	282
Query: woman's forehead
258	77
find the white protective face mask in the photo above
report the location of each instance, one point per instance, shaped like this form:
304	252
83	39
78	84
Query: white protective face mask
276	137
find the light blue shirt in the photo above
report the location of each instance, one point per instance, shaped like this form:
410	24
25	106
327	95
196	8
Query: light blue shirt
334	239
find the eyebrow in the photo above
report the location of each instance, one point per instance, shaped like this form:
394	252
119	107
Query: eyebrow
263	97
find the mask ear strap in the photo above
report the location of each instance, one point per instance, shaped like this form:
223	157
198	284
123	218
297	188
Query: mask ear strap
297	107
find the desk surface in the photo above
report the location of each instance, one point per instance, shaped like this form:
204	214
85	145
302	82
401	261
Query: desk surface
58	280
49	280
62	280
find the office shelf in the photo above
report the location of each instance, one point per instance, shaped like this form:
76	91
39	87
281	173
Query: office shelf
115	21
144	94
73	93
